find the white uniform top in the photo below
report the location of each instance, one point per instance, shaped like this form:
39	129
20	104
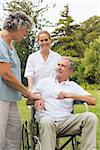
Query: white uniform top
38	68
57	109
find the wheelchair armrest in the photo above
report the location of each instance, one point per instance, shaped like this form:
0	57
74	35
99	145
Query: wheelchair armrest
33	111
79	102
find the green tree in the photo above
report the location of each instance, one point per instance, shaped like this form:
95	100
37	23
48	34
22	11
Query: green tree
90	29
91	62
67	36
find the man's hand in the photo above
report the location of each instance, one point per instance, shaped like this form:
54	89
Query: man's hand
63	95
39	105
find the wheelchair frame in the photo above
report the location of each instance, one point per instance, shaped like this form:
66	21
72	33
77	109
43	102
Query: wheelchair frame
30	133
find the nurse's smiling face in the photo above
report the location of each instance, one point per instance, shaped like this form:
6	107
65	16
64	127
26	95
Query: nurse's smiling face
44	41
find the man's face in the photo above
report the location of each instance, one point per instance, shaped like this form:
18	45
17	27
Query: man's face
62	70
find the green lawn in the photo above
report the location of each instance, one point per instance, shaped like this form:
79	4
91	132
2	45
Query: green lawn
25	112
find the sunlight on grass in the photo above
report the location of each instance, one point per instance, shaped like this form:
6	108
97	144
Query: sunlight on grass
24	110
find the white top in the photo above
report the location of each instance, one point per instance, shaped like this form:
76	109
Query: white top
38	68
57	109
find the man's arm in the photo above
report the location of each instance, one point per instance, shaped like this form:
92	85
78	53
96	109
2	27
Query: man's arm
9	78
88	98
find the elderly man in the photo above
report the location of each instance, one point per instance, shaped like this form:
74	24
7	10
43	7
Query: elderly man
58	94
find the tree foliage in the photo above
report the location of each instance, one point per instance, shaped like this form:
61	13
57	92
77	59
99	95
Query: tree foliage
90	29
66	36
91	62
72	39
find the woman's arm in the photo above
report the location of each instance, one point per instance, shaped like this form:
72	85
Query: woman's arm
9	78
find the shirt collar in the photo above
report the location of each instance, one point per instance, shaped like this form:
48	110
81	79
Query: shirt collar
67	82
51	54
50	51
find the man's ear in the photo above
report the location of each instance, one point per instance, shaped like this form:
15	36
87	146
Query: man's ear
71	71
51	41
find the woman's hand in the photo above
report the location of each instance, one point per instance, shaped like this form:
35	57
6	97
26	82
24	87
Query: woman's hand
32	97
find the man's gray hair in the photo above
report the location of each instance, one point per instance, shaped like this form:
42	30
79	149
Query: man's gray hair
17	20
71	64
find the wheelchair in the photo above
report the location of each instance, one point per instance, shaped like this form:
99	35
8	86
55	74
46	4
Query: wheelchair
30	133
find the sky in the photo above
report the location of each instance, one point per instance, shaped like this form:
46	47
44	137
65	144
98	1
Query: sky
80	10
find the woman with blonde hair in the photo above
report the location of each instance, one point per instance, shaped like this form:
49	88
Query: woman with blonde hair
42	63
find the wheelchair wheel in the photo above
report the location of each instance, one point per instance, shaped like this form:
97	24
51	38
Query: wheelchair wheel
35	144
25	136
34	136
76	143
38	146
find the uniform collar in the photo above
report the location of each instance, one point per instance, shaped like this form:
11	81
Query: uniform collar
50	51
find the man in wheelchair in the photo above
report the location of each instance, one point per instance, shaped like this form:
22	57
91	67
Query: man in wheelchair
54	111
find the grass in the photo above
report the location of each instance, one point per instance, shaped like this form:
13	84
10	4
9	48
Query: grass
96	110
25	112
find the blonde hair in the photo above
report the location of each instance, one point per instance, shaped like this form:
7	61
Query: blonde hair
42	32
